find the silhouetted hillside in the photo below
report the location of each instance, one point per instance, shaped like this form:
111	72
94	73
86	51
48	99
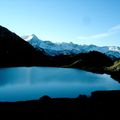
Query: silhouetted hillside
92	61
14	51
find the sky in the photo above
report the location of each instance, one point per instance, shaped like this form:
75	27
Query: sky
79	21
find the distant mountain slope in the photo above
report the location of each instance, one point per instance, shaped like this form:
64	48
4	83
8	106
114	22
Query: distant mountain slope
14	51
70	48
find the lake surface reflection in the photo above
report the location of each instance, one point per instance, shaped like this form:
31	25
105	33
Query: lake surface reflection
24	83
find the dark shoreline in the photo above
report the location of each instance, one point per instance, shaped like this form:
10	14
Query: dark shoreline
100	105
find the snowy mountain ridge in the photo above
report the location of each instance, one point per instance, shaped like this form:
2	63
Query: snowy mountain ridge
70	48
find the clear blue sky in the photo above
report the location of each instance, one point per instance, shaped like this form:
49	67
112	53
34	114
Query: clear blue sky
79	21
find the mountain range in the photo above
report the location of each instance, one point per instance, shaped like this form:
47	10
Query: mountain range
54	49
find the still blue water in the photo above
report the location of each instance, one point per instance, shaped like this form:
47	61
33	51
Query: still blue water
24	83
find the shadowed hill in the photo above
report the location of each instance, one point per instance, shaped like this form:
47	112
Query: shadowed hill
14	51
93	61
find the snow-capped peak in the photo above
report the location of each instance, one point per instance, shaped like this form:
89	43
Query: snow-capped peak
114	48
30	37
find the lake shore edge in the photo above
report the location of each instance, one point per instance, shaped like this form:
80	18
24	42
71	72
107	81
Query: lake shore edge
100	104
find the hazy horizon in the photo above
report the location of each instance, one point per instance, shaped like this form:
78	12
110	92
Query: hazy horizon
82	22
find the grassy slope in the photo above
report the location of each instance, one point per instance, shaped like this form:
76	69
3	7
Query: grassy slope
114	70
115	67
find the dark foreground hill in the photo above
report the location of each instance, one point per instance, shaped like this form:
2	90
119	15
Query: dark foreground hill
100	106
14	51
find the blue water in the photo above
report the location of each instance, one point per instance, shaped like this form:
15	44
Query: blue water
31	83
